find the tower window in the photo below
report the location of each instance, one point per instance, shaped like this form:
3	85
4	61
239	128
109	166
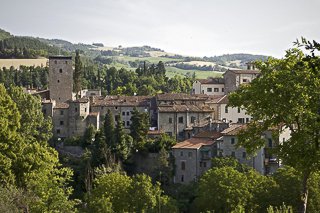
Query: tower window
60	70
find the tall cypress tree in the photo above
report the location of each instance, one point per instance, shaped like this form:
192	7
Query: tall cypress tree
109	129
139	128
123	141
77	77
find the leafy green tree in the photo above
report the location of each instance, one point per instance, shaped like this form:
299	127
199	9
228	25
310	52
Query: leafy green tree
26	159
139	129
222	190
286	93
77	76
114	188
146	194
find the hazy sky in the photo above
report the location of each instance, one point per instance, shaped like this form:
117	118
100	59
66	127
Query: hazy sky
189	27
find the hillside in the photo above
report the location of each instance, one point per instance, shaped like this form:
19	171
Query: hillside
124	57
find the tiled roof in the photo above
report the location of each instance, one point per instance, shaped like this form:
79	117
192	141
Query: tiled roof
208	134
80	100
223	100
233	129
61	106
184	108
245	71
122	101
181	96
193	143
211	81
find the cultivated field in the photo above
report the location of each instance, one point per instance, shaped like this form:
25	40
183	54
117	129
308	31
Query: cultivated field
16	63
172	71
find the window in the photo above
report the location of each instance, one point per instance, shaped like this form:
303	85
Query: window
128	123
60	70
61	123
181	153
182	178
66	62
189	154
247	120
128	113
226	109
123	113
58	81
233	141
204	164
183	165
209	89
238	109
61	112
244	154
270	142
233	154
85	109
55	62
76	109
180	120
193	119
200	163
116	107
241	120
58	131
170	120
216	89
222	89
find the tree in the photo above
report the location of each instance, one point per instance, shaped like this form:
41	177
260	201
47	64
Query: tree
27	161
286	93
77	77
222	190
123	141
109	129
139	129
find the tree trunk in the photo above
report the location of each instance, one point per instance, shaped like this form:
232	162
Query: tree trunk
304	193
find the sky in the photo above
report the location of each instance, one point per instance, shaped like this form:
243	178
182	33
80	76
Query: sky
187	27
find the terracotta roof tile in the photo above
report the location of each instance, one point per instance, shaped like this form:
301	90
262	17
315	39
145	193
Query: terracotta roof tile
245	71
208	134
193	143
123	101
184	108
223	100
233	129
211	81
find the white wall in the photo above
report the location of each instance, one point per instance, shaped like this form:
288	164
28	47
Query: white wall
233	114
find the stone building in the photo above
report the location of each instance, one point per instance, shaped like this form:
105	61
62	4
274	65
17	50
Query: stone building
192	159
224	112
122	105
210	86
178	114
60	78
234	78
263	161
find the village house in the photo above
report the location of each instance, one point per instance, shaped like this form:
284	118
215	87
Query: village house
179	113
234	78
210	86
124	106
263	161
228	114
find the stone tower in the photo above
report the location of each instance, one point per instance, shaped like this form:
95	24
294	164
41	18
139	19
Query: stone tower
60	78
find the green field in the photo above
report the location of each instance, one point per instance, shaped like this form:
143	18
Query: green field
153	60
172	71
